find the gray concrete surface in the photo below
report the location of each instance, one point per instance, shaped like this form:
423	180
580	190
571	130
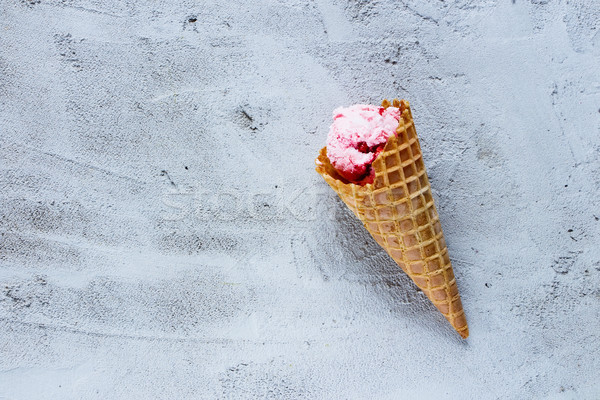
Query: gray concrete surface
164	235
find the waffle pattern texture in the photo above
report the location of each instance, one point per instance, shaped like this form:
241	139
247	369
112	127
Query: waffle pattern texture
398	211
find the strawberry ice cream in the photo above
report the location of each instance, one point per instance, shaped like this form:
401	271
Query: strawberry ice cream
357	136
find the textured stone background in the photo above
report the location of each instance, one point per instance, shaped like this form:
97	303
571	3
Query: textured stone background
164	234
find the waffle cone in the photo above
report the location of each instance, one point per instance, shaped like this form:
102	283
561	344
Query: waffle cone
398	211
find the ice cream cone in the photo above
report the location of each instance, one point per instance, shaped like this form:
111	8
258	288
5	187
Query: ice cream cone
398	211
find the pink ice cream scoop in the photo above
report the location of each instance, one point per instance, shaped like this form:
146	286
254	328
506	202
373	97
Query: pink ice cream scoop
357	136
